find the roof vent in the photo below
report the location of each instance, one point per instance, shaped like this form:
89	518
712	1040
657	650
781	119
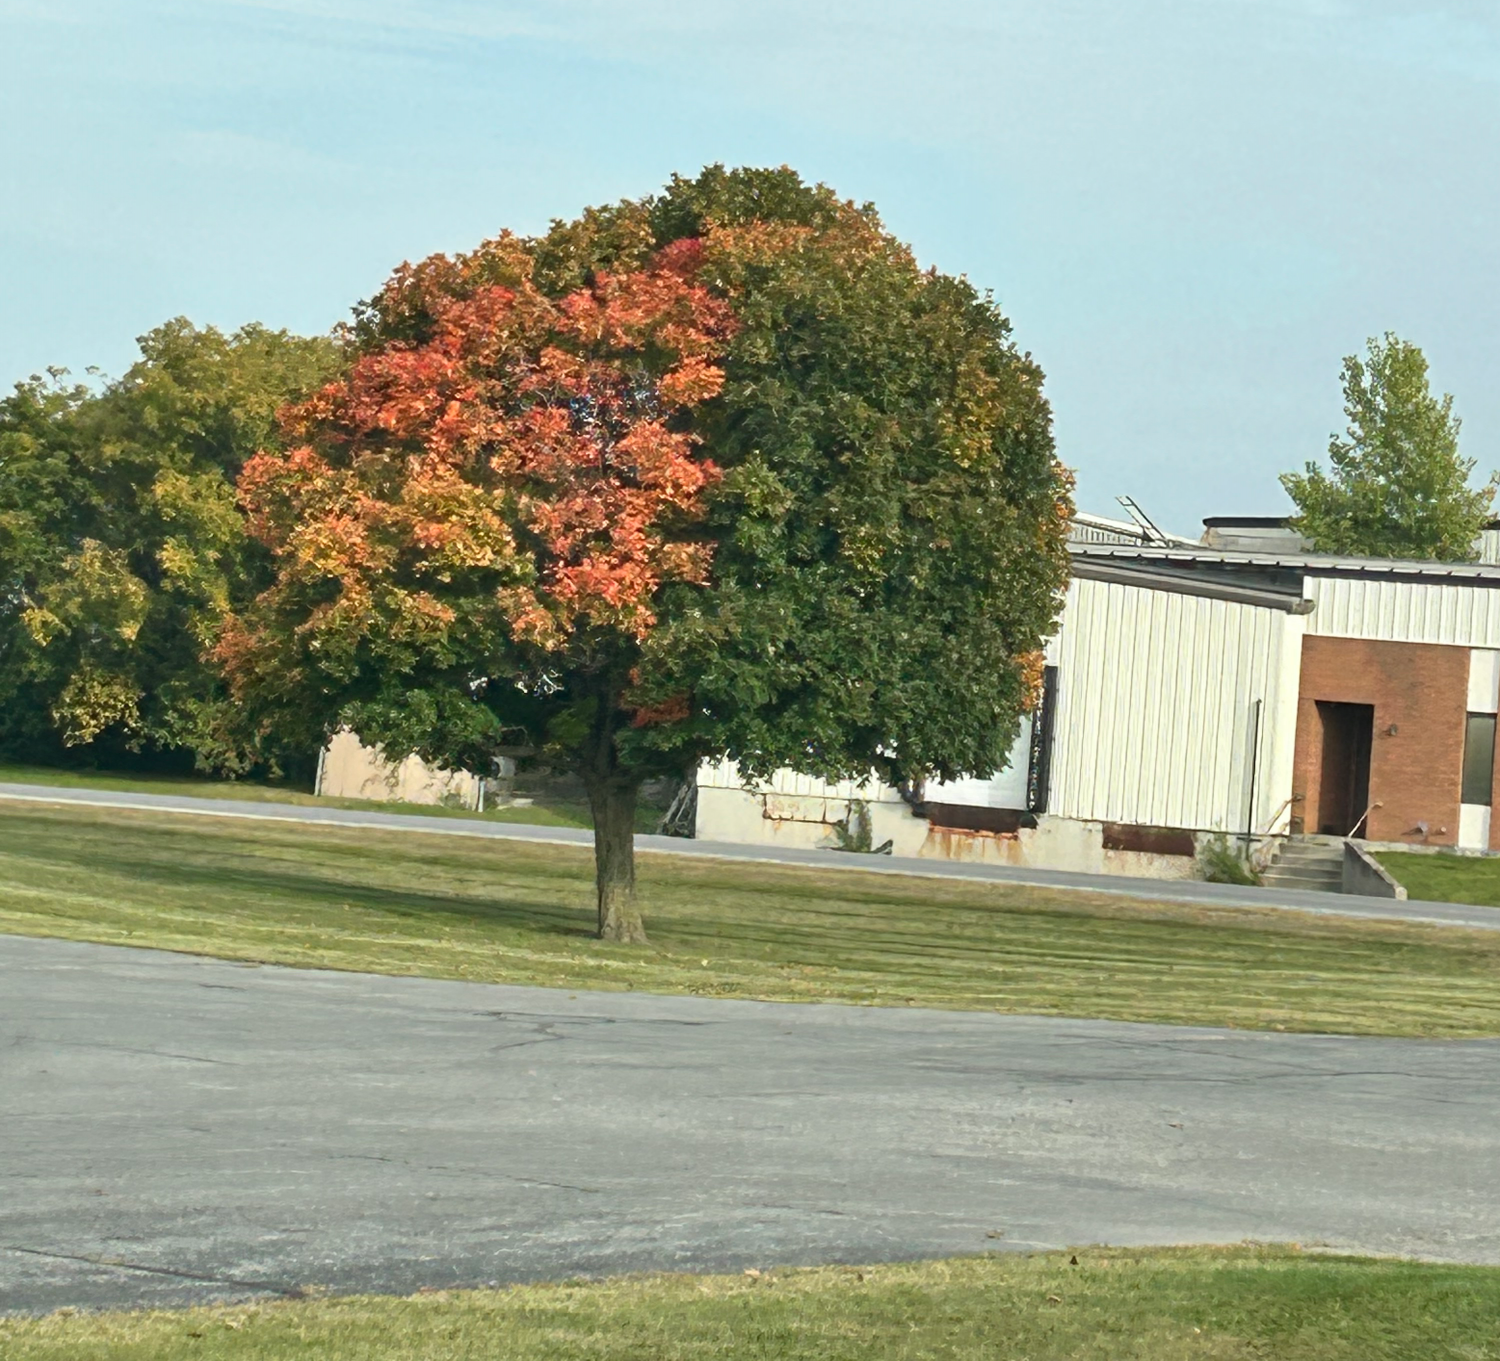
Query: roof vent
1253	534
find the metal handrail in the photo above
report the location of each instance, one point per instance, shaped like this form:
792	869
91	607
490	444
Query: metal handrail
1276	816
1362	817
1268	838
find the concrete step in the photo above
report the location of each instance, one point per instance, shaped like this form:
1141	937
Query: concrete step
1322	862
1303	880
1320	855
1333	868
1332	872
1307	866
1321	868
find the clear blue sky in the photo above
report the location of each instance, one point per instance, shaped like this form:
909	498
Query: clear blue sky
1191	209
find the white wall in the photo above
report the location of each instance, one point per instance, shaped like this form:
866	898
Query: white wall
1155	712
790	796
351	770
1405	611
1004	789
1156	708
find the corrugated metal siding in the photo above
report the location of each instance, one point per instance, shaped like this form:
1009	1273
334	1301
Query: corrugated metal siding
1007	789
726	775
1405	611
1156	695
1086	533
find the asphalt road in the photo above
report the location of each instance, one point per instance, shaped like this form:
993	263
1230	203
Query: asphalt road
1168	890
176	1129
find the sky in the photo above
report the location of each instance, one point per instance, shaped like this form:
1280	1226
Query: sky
1190	209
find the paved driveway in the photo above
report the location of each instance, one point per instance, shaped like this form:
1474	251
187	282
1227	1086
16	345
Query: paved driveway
177	1129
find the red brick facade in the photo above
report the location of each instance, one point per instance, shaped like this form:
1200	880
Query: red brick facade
1419	692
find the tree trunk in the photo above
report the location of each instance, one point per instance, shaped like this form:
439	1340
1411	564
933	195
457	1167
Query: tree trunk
613	803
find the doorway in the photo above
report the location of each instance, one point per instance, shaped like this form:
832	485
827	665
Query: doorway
1344	789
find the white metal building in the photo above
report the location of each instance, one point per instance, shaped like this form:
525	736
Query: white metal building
1196	690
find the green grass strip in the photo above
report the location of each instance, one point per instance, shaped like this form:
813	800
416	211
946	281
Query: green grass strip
1224	1304
1446	877
553	813
517	912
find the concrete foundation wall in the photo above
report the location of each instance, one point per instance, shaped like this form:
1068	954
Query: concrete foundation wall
806	823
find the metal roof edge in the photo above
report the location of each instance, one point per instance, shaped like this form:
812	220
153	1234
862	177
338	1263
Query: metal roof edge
1121	573
1130	529
1311	564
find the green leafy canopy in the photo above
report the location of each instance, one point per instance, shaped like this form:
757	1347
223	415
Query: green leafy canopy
121	546
1398	487
888	526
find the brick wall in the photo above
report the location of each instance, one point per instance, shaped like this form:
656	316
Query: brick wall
1419	688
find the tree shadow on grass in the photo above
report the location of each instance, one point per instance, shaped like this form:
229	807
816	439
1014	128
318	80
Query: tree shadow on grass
235	880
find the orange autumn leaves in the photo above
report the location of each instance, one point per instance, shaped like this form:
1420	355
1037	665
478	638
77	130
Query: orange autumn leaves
524	456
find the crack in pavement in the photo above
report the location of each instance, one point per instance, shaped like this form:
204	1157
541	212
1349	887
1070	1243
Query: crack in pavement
87	1259
465	1172
147	1052
565	1018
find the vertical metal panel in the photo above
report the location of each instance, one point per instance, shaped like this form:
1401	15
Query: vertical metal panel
1279	731
1474	826
1155	708
1405	611
1484	681
726	775
1004	789
1156	703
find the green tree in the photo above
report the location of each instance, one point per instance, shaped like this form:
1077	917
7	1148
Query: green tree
1398	487
721	472
121	546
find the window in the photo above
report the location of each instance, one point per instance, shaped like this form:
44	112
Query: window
1479	759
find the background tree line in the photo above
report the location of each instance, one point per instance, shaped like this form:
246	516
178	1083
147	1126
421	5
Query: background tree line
719	472
122	549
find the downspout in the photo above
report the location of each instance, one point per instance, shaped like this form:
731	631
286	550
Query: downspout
1039	762
1254	772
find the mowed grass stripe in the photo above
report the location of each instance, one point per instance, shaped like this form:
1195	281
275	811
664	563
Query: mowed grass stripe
1099	1304
388	902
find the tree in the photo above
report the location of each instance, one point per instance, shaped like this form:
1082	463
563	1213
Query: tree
121	545
720	472
1398	487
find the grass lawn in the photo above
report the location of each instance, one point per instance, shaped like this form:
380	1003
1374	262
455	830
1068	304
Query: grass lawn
402	903
1269	1304
1446	878
544	813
